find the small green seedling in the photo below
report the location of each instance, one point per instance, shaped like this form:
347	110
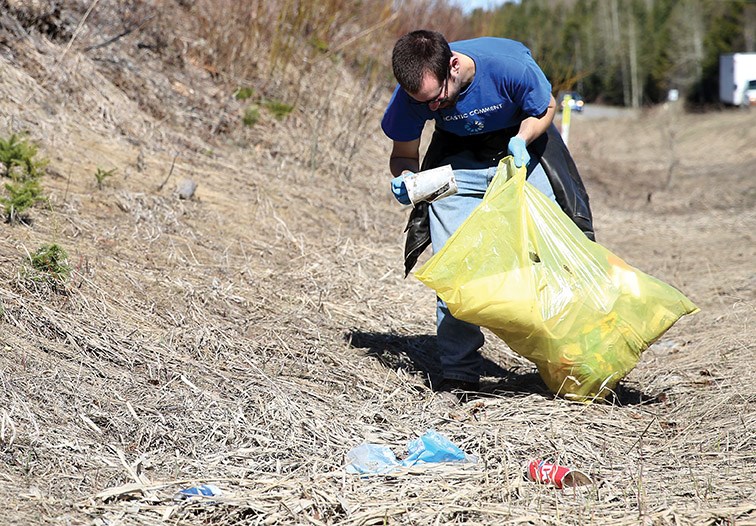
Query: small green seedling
279	109
244	93
19	163
101	175
251	116
18	159
21	196
49	264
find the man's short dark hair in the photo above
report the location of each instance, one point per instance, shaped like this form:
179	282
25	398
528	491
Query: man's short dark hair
418	52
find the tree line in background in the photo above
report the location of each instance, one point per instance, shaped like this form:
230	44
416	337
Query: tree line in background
628	52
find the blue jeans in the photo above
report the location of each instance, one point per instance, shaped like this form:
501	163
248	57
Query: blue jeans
459	341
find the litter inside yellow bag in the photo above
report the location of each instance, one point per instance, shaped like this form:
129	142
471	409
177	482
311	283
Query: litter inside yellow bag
521	268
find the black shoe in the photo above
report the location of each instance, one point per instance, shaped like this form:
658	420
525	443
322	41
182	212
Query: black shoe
463	391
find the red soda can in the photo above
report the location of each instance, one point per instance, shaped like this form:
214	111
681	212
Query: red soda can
559	476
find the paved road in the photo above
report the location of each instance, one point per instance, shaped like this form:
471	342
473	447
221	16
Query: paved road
599	111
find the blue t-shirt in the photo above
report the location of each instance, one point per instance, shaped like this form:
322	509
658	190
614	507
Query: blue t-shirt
508	87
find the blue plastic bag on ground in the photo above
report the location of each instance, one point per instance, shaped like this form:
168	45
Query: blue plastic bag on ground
432	447
371	459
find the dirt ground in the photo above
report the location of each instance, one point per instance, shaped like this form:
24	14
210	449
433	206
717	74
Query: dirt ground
252	335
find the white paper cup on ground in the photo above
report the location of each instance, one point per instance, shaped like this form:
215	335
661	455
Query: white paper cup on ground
431	185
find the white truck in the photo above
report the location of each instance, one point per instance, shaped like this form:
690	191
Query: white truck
736	72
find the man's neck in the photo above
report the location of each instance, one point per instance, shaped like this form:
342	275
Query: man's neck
466	69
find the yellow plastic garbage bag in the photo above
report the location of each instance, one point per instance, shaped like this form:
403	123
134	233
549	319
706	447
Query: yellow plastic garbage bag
521	268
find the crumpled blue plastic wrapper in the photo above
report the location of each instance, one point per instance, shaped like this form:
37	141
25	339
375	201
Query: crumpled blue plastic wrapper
371	458
432	447
205	490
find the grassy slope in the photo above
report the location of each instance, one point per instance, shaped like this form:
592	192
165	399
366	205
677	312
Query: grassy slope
251	336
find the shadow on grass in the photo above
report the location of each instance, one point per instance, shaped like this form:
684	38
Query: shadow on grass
417	355
624	395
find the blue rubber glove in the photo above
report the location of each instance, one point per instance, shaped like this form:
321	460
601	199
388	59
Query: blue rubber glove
519	150
399	189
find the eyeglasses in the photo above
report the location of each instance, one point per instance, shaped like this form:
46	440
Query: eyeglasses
438	99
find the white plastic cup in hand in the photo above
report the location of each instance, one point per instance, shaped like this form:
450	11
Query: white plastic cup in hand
431	185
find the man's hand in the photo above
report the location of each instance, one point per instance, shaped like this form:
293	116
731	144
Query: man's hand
519	150
399	189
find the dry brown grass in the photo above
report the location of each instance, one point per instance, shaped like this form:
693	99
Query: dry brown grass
251	336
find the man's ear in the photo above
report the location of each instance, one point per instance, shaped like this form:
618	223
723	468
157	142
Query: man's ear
454	63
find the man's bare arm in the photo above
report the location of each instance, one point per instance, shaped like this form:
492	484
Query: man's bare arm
405	156
533	127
